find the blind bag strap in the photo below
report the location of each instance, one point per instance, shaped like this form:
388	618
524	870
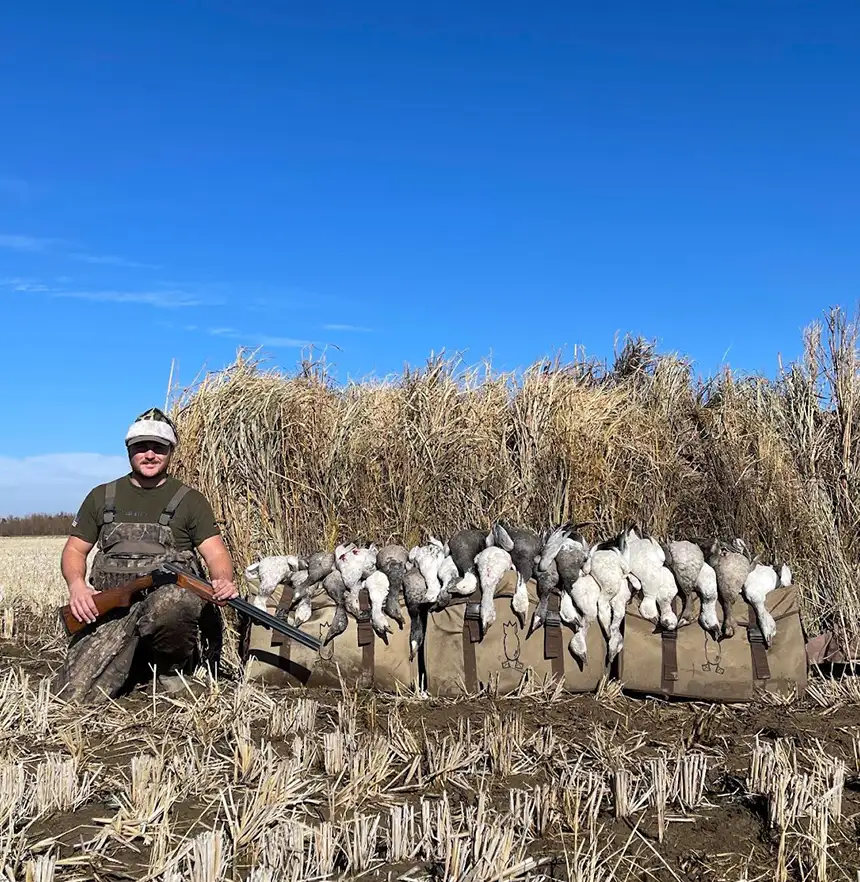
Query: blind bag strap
758	650
471	636
366	638
553	647
669	668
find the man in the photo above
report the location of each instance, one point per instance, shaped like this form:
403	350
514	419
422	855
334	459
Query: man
138	521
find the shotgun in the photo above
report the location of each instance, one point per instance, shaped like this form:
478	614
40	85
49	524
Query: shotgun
168	573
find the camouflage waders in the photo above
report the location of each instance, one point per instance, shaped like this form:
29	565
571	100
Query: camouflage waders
160	629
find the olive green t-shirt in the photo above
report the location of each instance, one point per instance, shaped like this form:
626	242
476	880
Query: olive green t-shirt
192	524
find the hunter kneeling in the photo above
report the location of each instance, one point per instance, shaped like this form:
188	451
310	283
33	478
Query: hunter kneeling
140	521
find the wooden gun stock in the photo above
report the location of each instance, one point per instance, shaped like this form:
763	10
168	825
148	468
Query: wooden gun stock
167	573
106	601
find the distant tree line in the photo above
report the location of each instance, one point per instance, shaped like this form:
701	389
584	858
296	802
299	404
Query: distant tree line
37	525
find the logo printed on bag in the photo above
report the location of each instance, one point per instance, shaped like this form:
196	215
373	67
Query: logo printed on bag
713	666
513	660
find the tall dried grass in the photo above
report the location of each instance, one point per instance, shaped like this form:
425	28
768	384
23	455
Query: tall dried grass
295	462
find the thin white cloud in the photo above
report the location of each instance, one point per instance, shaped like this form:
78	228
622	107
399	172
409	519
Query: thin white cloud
112	260
25	286
161	298
355	329
283	342
55	481
167	299
273	342
23	243
19	242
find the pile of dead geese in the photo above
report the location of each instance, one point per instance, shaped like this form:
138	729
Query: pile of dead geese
593	581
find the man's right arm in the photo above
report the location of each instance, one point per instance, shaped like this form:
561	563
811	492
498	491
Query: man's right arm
74	567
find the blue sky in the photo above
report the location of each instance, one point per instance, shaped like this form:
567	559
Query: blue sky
178	179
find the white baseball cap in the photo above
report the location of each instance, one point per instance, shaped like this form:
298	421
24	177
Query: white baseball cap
152	425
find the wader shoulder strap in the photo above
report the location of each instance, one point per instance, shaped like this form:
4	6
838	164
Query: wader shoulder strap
366	638
758	651
471	636
552	642
170	509
669	667
109	510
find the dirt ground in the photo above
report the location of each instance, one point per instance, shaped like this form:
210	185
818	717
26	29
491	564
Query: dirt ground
466	756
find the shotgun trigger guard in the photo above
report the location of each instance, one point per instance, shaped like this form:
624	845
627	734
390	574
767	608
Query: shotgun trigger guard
162	577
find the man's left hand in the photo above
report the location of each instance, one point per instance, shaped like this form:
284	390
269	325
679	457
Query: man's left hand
224	590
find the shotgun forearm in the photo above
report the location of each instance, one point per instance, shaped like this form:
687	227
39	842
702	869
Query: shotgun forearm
106	601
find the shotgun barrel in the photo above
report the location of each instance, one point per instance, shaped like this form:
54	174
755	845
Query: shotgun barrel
194	583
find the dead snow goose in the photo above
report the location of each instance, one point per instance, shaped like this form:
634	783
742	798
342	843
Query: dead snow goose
585	593
415	593
759	583
570	559
334	586
568	612
646	559
564	566
303	612
463	547
523	546
610	567
427	558
449	576
354	563
320	564
392	560
492	564
304	608
706	587
685	560
552	545
732	569
555	539
547	582
269	572
377	590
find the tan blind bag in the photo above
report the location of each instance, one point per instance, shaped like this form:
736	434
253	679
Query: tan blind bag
363	658
690	664
458	661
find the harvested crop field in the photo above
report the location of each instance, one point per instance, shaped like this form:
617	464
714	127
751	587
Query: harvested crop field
237	780
234	780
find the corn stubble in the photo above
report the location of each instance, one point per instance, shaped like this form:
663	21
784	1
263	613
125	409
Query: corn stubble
203	788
